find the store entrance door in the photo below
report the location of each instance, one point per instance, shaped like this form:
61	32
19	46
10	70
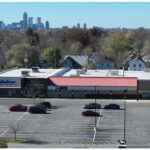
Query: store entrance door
9	92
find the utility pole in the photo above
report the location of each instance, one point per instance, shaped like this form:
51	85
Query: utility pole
55	57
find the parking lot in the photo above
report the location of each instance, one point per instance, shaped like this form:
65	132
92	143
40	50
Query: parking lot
65	127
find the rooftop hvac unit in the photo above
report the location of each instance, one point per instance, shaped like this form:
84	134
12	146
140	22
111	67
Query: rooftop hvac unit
147	70
80	72
75	75
114	72
35	69
25	73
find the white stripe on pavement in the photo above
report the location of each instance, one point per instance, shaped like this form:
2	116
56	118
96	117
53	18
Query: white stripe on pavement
15	122
97	124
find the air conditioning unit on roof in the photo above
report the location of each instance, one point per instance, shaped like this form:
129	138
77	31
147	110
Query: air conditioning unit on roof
25	73
75	75
80	71
147	70
114	72
35	69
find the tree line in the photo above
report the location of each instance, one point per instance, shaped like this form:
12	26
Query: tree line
53	45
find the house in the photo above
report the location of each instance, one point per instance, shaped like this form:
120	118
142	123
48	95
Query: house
136	64
105	64
75	61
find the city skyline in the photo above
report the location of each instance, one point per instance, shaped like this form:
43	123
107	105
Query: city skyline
27	21
101	14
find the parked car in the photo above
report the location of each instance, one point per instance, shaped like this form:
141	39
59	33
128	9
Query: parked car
92	106
18	107
41	106
112	106
122	144
47	104
36	110
90	113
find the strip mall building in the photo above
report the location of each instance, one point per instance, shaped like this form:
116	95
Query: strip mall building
73	83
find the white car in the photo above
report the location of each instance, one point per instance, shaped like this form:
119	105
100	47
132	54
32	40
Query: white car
122	144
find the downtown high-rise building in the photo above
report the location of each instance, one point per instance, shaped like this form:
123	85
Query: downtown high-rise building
47	25
38	20
30	22
25	16
84	26
78	25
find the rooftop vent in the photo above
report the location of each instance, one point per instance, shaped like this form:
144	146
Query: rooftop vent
147	70
25	73
80	72
114	72
75	75
35	69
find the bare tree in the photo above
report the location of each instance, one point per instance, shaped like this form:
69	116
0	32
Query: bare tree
15	127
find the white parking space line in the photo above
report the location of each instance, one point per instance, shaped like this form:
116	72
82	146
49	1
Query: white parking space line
97	124
21	117
15	122
4	132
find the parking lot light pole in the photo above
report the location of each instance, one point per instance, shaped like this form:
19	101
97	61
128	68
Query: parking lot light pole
95	128
125	114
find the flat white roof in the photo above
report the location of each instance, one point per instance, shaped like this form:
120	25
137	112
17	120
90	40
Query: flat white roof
17	72
141	75
45	73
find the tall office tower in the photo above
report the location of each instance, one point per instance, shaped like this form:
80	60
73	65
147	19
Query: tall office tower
2	25
47	25
84	26
21	24
25	20
78	25
30	22
38	20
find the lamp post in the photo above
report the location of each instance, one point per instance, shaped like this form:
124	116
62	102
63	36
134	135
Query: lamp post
125	114
95	110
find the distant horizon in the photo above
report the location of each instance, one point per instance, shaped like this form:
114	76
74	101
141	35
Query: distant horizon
100	14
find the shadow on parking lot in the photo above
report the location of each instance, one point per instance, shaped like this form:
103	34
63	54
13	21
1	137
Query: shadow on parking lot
35	142
48	113
54	107
107	130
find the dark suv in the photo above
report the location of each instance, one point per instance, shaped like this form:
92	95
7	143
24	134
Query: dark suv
47	104
112	106
36	110
92	106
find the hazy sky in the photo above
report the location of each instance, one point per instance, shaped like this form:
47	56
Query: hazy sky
102	14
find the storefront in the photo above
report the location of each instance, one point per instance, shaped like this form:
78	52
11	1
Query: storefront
89	87
10	87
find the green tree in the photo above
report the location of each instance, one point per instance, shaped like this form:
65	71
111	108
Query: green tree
117	46
18	52
53	56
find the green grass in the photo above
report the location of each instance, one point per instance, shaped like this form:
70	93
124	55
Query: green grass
3	143
17	141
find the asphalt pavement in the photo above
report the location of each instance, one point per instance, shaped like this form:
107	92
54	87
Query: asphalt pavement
64	126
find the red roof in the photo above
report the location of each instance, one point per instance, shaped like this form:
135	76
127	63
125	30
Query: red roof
94	81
